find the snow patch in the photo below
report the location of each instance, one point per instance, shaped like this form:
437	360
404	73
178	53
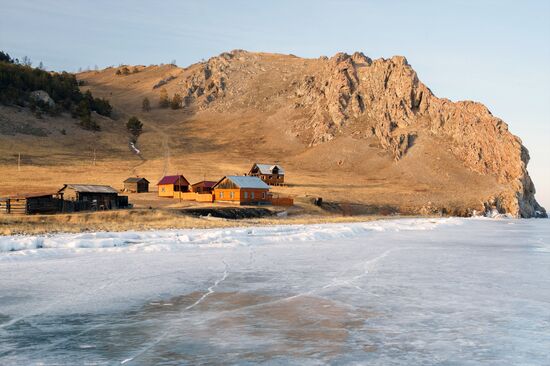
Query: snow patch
134	148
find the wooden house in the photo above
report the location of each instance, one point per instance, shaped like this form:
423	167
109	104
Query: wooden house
244	190
82	197
271	174
172	183
136	185
204	186
28	204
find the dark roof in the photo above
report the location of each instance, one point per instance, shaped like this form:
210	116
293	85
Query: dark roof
171	179
135	180
206	183
268	168
90	188
32	195
245	181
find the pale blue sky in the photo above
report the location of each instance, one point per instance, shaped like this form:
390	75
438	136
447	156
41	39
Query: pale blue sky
495	52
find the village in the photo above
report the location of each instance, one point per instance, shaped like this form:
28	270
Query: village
249	189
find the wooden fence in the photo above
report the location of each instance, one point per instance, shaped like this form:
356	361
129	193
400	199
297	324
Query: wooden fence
282	201
194	196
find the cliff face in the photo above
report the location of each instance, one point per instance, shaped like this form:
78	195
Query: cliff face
381	99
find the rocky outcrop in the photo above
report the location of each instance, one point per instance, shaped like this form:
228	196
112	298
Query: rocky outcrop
381	98
390	101
164	81
207	82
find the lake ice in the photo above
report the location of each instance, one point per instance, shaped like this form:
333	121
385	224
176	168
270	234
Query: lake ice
399	292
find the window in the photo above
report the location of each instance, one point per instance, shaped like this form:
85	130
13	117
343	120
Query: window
245	195
252	195
231	194
162	189
263	195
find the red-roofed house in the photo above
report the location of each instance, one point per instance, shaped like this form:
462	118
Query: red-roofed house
172	183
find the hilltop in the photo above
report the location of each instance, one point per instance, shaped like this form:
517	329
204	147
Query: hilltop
347	128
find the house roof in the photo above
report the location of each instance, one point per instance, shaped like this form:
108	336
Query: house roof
171	179
206	183
135	180
89	188
245	181
268	168
32	195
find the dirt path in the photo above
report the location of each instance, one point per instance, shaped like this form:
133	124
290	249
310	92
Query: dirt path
165	143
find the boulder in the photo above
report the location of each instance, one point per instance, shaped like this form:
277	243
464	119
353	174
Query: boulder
43	97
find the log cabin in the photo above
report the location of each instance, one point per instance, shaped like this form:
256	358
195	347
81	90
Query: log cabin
83	197
244	190
136	185
28	204
172	183
271	174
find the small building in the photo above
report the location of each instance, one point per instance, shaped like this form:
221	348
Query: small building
136	185
82	197
204	186
28	204
172	183
271	174
245	190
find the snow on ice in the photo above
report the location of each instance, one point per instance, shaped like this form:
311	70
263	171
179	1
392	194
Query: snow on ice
395	292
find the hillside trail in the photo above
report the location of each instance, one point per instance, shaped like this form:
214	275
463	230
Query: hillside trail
165	143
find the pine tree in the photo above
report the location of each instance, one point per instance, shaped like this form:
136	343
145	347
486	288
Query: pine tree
134	125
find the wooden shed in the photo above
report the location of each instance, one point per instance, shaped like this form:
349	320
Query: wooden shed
244	190
172	183
136	185
28	204
272	174
204	186
81	197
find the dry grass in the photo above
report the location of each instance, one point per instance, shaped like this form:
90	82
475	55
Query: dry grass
149	219
346	170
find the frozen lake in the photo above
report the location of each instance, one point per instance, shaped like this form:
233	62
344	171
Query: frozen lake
400	292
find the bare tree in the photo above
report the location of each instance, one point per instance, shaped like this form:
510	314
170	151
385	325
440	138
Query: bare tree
26	61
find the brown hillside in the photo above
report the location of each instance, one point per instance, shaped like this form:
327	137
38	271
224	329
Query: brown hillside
346	128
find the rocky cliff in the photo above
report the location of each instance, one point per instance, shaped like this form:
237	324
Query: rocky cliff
380	98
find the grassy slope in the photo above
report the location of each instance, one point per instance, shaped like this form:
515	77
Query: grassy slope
213	143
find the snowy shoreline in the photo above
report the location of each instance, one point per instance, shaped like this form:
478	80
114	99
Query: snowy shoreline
155	240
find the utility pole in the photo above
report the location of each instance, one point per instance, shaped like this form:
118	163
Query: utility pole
179	186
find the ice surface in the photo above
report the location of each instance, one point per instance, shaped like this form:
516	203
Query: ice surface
400	292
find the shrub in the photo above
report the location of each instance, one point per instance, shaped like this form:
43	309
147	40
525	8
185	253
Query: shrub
146	105
87	123
176	101
102	106
164	101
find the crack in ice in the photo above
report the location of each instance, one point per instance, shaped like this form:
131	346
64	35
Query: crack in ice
209	292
